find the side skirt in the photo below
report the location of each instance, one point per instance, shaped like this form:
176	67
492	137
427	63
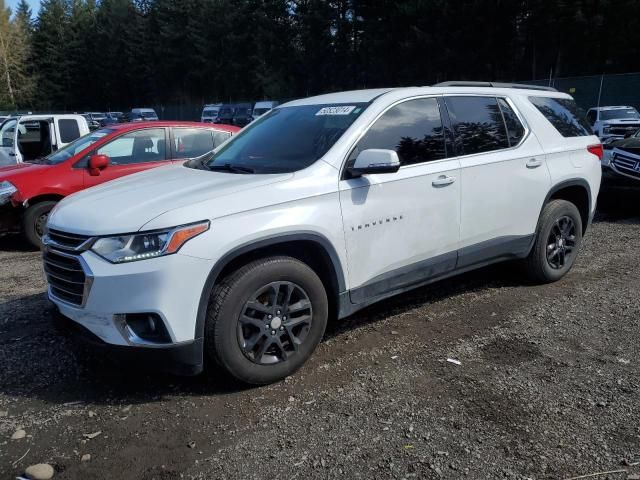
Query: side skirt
432	270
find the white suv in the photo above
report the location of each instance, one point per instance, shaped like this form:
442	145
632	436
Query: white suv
317	209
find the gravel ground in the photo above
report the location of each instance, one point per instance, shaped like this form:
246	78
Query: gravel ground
548	385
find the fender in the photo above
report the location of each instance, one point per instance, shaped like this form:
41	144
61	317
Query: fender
255	245
574	182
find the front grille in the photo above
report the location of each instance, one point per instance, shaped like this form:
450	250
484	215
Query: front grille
67	240
623	129
627	165
66	277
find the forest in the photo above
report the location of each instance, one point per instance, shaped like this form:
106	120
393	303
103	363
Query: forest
114	54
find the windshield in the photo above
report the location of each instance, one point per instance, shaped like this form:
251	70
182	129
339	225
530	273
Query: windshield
148	115
260	111
286	139
209	112
77	146
620	113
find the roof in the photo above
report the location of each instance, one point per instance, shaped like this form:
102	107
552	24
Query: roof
366	96
166	123
352	96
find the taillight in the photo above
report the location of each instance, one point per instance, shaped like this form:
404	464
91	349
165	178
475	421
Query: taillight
597	150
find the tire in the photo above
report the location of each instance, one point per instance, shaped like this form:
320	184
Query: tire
34	220
553	233
247	343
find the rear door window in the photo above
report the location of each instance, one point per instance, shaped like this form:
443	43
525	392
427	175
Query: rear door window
477	123
563	113
191	142
515	129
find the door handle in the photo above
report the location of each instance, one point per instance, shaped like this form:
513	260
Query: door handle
534	163
443	181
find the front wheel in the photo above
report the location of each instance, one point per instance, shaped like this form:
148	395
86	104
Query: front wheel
265	319
34	221
557	242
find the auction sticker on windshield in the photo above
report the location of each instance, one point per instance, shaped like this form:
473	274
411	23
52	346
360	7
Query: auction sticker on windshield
343	110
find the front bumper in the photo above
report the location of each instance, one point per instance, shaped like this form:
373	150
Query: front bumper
10	218
169	287
183	359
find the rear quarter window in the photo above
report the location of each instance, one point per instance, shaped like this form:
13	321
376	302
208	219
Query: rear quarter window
563	113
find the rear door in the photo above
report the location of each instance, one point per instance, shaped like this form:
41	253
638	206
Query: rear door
129	153
503	174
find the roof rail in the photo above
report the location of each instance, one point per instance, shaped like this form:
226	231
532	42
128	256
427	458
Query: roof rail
494	84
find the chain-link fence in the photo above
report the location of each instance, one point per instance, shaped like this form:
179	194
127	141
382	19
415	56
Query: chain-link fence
598	90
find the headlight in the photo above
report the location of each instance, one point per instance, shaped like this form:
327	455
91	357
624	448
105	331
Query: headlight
144	245
6	190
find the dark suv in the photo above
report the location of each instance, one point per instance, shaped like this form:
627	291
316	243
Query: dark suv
243	114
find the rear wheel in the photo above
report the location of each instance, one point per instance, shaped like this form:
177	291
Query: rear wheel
34	221
266	319
557	242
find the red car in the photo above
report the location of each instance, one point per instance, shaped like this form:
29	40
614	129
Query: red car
28	191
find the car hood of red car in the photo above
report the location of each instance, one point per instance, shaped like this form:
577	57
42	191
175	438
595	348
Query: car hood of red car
22	172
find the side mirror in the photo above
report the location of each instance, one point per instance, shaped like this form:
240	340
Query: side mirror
97	163
375	160
629	134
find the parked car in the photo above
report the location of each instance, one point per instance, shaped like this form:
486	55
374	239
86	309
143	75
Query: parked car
242	114
112	117
225	114
331	204
30	137
210	112
94	119
260	108
141	115
29	191
622	158
611	123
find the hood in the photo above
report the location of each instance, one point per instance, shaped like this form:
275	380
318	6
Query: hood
631	145
622	121
127	204
14	173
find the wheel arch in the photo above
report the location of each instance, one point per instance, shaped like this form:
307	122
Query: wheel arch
310	247
576	191
44	197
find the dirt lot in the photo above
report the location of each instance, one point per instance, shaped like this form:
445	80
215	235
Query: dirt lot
548	385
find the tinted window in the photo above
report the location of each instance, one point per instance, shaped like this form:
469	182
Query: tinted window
477	123
515	129
286	139
413	129
69	130
141	146
619	113
219	137
191	142
564	115
591	117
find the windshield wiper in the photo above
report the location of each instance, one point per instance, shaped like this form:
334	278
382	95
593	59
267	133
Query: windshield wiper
227	167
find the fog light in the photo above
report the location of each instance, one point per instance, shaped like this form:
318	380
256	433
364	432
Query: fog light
141	328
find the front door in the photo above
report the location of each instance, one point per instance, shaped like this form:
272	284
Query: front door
402	228
130	153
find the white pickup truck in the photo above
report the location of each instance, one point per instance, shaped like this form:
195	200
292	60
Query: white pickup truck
29	137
